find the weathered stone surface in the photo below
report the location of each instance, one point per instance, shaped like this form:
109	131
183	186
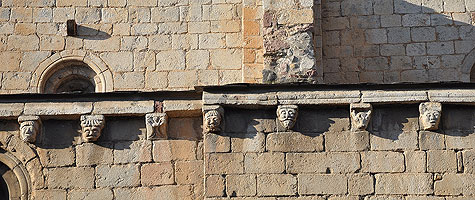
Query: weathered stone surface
454	184
168	150
52	194
276	184
123	107
393	96
224	163
70	178
189	172
105	194
217	143
416	161
381	161
132	152
241	185
327	184
327	162
441	161
11	109
264	163
431	140
360	184
469	161
394	140
347	141
88	154
76	108
157	174
319	97
292	142
252	142
117	176
56	157
214	186
404	183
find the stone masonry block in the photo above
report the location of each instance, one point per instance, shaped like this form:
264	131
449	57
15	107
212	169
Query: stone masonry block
328	162
117	176
416	161
417	184
241	185
431	140
75	108
49	194
12	61
294	142
393	140
214	186
132	152
105	194
276	185
56	157
88	154
327	184
347	141
70	178
123	107
441	161
168	150
252	142
450	184
157	174
469	161
217	143
224	163
263	163
360	184
382	161
189	172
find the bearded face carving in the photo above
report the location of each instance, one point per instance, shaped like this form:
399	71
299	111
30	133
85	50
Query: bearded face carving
92	126
213	119
287	115
156	125
429	117
30	127
360	116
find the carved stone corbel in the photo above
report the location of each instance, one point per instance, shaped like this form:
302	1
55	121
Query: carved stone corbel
429	115
157	124
287	115
213	119
360	116
91	126
30	128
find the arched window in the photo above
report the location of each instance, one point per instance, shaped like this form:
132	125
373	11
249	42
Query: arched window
472	75
70	76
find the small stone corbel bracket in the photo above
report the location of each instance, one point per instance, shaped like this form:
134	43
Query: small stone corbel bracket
360	116
157	125
91	127
287	115
429	115
213	119
30	128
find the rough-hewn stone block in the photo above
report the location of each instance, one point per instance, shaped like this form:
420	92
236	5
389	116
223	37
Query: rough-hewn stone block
123	107
380	161
394	140
70	178
327	162
360	184
276	185
168	150
347	141
214	186
251	142
404	184
117	176
217	143
76	108
224	163
104	193
132	152
56	157
441	161
415	161
263	163
189	172
294	142
322	184
88	154
429	140
469	161
241	185
157	174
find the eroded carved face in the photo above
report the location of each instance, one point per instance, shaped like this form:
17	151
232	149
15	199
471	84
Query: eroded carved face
360	119
154	122
91	133
213	121
430	115
28	131
287	116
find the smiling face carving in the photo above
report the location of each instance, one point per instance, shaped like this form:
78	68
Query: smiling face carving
287	115
91	127
429	117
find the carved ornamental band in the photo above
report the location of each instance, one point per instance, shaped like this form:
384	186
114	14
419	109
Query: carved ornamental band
30	127
360	116
429	117
156	125
213	119
287	115
92	126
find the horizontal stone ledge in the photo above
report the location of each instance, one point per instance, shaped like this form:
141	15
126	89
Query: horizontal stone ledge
123	107
11	109
452	96
402	96
266	98
58	108
182	108
319	97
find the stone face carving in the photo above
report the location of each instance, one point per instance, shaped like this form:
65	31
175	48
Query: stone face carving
213	119
360	116
30	127
429	117
92	126
287	115
156	125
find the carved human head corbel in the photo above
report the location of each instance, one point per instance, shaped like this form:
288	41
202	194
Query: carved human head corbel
287	115
30	127
92	126
360	116
213	119
156	125
429	115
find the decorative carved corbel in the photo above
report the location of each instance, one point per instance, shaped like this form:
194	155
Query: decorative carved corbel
429	115
30	128
360	116
213	119
157	124
92	126
287	115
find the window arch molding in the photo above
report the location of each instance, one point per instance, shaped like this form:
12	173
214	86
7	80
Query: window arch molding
468	66
103	77
17	177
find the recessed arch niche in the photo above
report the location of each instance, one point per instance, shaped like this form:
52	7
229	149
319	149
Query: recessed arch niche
14	180
65	73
